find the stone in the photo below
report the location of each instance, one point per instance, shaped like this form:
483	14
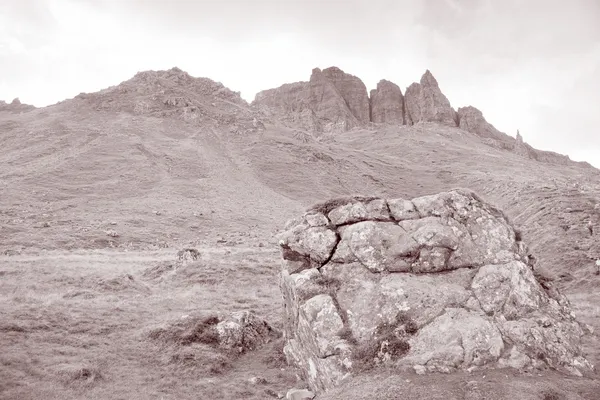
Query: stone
299	394
242	331
401	209
436	283
316	219
257	380
509	289
331	101
387	103
315	242
189	255
425	102
15	106
471	120
456	338
381	246
358	211
521	148
329	106
352	90
515	359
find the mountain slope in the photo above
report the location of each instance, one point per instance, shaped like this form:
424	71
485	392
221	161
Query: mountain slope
168	160
166	178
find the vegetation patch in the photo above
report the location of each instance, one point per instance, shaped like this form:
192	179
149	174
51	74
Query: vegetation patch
326	206
543	277
552	395
389	343
190	330
78	375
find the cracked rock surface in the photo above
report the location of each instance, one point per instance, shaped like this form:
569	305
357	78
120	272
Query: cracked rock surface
450	263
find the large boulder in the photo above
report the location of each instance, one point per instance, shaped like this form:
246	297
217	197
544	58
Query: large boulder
436	283
425	102
387	103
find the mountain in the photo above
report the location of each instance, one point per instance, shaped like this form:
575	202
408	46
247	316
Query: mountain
183	146
167	160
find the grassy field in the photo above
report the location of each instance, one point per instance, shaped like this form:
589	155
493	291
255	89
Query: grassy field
78	325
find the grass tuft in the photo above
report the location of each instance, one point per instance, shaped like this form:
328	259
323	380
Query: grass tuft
191	330
326	206
390	342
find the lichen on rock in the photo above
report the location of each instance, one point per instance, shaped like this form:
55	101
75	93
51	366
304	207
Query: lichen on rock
451	263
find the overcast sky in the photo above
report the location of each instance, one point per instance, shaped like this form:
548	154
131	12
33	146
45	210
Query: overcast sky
532	65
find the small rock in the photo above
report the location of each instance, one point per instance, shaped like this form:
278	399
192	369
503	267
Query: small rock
113	223
270	392
299	394
111	233
257	380
156	212
188	255
316	219
419	369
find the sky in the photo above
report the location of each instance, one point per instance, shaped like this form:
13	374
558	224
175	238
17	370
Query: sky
532	65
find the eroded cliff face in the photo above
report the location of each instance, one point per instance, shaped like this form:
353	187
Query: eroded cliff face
318	105
352	90
333	101
425	102
471	120
387	103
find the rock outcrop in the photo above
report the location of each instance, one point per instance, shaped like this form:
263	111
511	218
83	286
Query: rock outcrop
176	94
352	90
15	106
240	331
387	103
316	105
436	283
328	104
471	120
334	101
425	102
523	149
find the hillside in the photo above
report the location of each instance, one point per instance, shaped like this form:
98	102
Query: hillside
165	161
167	178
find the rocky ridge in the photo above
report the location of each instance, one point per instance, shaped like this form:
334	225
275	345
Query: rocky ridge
15	106
333	95
176	94
387	103
436	283
425	102
333	101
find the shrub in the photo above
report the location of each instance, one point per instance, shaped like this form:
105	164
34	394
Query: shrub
192	330
390	342
326	206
